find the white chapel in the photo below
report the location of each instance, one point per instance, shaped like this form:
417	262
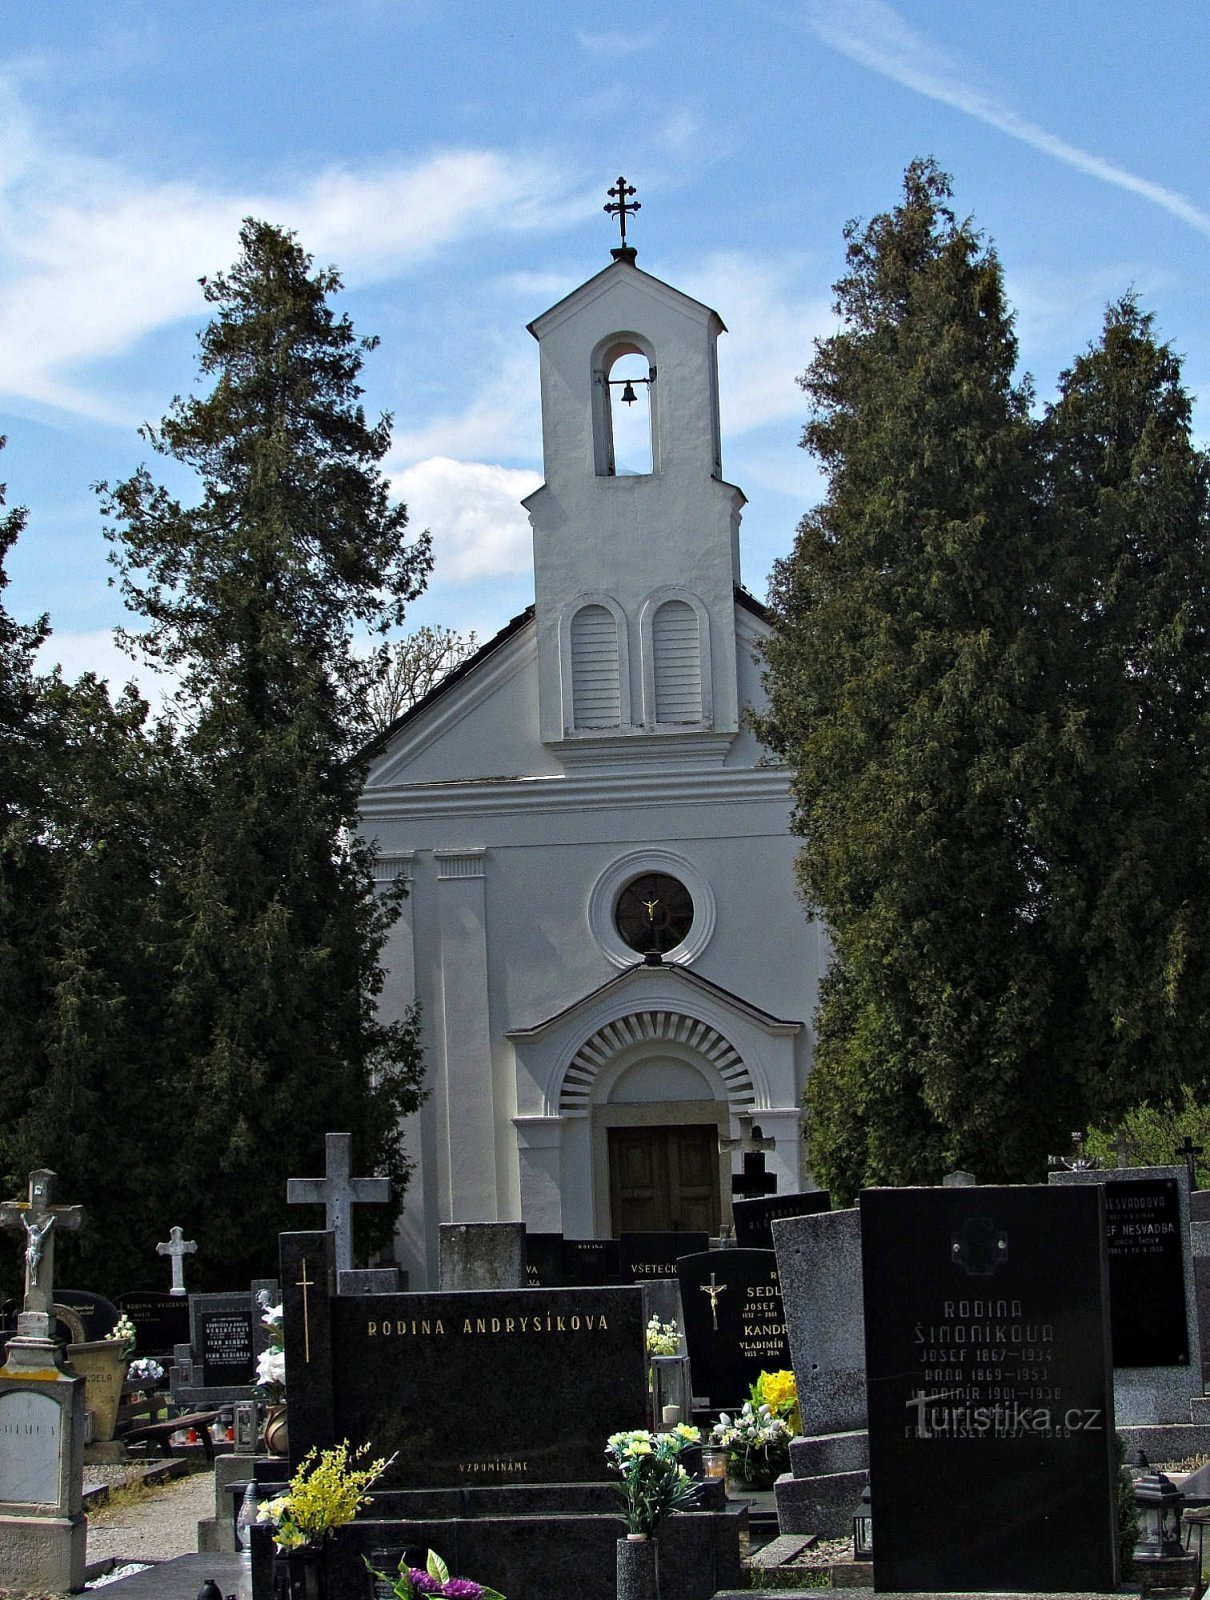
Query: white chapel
601	924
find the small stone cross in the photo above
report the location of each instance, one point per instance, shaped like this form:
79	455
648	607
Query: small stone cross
338	1192
1125	1149
1189	1153
37	1218
751	1144
178	1247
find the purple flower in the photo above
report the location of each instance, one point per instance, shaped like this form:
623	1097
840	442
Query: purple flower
424	1582
462	1589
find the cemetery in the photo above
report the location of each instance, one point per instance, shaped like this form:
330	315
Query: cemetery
619	1348
951	1390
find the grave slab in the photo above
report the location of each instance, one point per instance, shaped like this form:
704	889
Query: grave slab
992	1451
735	1326
754	1218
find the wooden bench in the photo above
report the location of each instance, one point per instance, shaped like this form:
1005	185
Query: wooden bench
157	1434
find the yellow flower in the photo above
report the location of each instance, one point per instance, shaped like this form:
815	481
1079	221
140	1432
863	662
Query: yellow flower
778	1389
639	1447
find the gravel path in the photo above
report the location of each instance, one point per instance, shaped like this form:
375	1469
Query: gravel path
161	1522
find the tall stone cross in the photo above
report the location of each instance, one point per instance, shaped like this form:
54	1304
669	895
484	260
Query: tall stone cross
338	1193
178	1247
751	1144
37	1220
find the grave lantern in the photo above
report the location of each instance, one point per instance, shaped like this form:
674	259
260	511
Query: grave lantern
1159	1504
671	1387
863	1528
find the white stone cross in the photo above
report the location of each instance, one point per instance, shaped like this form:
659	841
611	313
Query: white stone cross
178	1247
750	1140
338	1193
37	1218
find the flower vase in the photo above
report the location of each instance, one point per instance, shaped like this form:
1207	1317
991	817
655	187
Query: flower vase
301	1573
277	1441
638	1568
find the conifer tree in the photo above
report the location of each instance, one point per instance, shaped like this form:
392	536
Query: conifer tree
989	676
897	674
253	595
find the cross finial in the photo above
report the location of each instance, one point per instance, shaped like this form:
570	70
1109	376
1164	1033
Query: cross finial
620	205
178	1247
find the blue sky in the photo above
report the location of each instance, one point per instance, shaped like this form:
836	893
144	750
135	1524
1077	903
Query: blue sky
451	157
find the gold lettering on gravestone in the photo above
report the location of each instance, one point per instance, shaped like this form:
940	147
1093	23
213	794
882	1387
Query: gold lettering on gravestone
304	1283
570	1322
762	1318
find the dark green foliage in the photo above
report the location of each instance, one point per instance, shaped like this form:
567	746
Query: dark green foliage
253	595
988	670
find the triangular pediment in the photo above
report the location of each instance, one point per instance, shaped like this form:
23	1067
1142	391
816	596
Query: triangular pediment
623	276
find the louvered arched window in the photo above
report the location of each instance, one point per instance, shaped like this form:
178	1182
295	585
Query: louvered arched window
595	676
677	663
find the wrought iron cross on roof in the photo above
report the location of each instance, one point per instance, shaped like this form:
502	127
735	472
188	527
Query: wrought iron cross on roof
620	205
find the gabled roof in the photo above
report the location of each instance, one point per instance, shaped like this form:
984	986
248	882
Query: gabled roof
600	281
444	685
630	976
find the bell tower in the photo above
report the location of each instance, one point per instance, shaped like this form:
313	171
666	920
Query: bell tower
636	535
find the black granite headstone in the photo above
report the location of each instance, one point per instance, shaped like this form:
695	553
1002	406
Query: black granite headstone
543	1260
753	1217
992	1446
223	1339
642	1256
1147	1311
735	1325
161	1320
590	1263
486	1387
96	1314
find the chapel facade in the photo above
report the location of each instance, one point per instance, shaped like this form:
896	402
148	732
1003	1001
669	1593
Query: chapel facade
601	924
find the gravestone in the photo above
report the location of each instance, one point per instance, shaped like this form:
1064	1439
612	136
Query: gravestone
217	1367
543	1260
479	1255
553	1373
819	1267
42	1524
1153	1303
754	1218
589	1263
735	1326
161	1320
644	1256
84	1315
992	1451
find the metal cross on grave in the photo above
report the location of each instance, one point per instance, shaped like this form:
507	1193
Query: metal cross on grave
338	1193
751	1144
1189	1153
178	1247
37	1219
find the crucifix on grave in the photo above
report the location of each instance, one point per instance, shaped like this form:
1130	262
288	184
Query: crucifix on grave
338	1192
37	1220
1189	1153
751	1144
1126	1150
178	1247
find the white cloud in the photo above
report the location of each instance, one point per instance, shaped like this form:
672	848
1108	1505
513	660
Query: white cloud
95	256
773	325
874	34
95	650
502	419
474	513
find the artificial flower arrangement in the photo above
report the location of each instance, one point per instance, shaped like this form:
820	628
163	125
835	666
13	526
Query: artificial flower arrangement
663	1338
145	1370
779	1391
654	1483
327	1491
271	1363
123	1333
757	1438
412	1583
